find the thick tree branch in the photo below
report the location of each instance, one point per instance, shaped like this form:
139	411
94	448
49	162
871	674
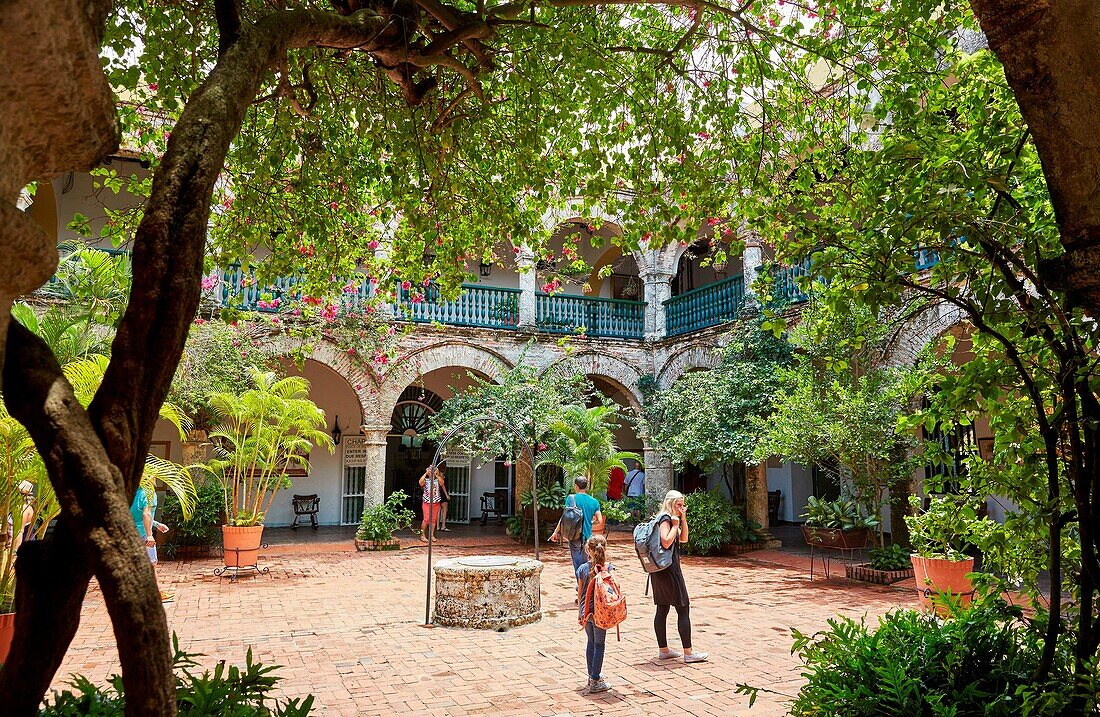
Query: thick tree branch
229	24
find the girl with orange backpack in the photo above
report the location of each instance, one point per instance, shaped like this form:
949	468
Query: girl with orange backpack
602	606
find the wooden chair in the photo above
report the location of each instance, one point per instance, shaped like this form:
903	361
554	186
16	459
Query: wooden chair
494	502
774	498
305	505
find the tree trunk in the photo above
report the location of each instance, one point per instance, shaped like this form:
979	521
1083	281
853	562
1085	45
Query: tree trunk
1050	52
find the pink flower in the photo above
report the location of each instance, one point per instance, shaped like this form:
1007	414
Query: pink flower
418	298
351	352
647	236
542	446
703	135
329	312
380	358
713	221
706	84
351	287
153	86
209	282
200	321
426	282
406	285
372	244
334	205
507	464
306	250
358	387
391	331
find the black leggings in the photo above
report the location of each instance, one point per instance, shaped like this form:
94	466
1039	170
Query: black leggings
683	625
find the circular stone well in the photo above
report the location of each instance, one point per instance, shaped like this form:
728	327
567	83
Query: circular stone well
490	592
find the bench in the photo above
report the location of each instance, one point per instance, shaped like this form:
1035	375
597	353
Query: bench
305	505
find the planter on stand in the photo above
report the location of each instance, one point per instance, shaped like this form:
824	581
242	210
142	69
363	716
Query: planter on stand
241	549
934	576
844	542
7	629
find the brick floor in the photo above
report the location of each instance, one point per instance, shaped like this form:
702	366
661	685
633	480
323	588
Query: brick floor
347	627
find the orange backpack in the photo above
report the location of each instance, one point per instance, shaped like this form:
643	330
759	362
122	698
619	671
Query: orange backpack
609	603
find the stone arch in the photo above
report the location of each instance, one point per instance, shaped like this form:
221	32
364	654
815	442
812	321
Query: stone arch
573	209
444	354
360	378
696	356
921	329
615	371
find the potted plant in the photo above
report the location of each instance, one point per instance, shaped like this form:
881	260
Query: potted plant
940	534
839	523
551	504
264	431
887	565
380	522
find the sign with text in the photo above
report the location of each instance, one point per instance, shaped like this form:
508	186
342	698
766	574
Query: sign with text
355	451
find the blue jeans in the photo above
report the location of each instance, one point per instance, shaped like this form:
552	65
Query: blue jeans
597	637
576	551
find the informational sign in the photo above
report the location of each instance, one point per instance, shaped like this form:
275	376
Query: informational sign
456	457
355	451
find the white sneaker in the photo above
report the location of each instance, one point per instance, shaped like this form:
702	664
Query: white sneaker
670	655
599	685
695	657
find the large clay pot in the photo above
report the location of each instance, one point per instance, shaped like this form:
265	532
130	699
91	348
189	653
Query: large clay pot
936	575
7	629
242	545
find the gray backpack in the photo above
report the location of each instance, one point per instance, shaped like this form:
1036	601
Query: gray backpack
571	525
647	543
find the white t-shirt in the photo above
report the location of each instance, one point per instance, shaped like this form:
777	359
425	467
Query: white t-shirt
635	483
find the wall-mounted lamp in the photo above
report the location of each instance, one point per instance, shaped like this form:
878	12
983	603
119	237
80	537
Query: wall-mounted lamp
336	432
485	268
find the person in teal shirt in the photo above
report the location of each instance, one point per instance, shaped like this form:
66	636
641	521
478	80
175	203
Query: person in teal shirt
142	510
593	522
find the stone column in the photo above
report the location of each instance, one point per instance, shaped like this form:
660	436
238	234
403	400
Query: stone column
753	260
194	448
528	284
375	483
756	501
658	290
658	473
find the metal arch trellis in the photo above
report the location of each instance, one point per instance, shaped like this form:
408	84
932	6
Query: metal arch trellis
435	462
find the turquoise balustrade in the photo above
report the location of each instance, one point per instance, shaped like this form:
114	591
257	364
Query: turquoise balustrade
786	282
609	318
239	290
482	306
706	306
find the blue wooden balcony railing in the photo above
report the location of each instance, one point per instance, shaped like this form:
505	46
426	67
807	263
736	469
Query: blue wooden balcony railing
706	306
611	318
786	282
240	290
482	306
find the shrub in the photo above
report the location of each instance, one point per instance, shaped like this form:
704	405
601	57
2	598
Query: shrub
379	522
892	557
226	692
203	527
714	522
615	511
843	513
550	496
979	662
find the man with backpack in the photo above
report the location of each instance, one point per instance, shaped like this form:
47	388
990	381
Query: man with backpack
582	516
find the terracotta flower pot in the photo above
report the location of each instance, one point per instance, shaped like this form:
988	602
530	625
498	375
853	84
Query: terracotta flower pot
7	629
242	545
936	575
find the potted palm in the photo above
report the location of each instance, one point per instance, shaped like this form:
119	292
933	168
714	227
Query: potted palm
940	534
586	444
264	431
839	524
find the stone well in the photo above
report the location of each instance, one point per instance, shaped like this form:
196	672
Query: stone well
491	592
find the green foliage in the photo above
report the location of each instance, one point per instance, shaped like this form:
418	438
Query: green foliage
838	407
706	417
715	522
585	444
218	358
976	663
228	691
520	398
264	431
842	513
550	496
203	527
380	522
890	557
949	527
615	511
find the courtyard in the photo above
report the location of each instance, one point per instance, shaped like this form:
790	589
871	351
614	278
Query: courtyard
348	628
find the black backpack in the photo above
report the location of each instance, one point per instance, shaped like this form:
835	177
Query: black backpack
571	525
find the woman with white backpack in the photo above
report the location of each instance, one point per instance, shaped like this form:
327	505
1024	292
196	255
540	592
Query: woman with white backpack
669	588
